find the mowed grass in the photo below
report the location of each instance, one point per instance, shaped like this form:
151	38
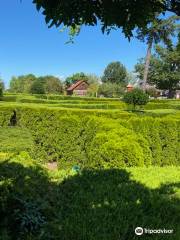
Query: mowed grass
92	204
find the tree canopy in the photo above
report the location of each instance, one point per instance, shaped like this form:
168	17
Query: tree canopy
125	14
115	72
164	70
111	90
38	87
30	84
22	84
136	97
52	84
160	30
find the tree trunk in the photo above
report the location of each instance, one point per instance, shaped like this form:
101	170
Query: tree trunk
147	63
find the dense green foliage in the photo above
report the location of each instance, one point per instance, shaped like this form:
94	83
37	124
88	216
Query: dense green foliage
90	149
36	204
93	139
160	30
167	67
62	97
73	102
82	183
52	85
37	85
110	90
164	69
15	140
22	84
115	72
136	97
124	14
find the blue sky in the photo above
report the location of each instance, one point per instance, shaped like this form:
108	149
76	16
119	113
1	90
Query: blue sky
28	46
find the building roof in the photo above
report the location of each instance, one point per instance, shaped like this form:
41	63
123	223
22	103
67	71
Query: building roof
74	85
129	86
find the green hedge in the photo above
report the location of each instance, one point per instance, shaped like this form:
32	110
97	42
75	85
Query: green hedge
8	98
5	115
165	100
86	102
67	101
112	113
93	106
62	97
93	139
162	136
15	140
88	142
164	104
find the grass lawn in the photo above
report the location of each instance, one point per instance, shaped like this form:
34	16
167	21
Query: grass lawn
91	204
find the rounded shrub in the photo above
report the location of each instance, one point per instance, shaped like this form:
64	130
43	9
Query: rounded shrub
136	97
118	148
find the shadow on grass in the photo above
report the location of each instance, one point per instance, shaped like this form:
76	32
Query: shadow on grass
93	205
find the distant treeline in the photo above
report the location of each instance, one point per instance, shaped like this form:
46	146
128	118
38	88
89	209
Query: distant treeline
36	85
111	84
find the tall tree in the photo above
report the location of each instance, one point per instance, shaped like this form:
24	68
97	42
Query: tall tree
38	86
52	84
111	14
115	72
164	68
159	30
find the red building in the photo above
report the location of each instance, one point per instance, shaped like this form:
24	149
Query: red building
78	88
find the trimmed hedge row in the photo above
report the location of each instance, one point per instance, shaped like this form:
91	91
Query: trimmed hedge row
163	136
78	138
8	98
114	113
163	105
74	102
5	115
93	106
62	97
77	105
165	100
74	140
88	103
